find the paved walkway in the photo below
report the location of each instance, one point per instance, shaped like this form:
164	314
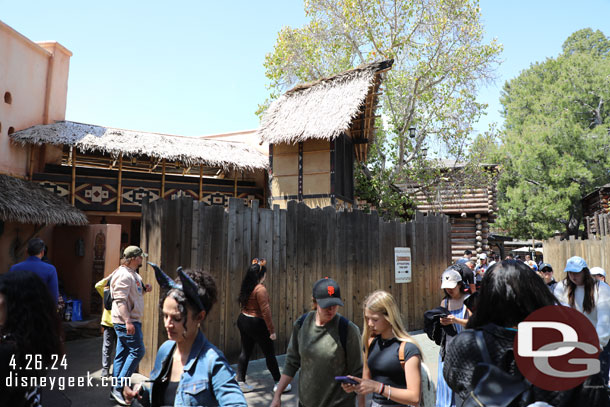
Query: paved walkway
84	359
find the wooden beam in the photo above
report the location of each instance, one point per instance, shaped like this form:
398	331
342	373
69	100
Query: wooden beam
235	183
200	182
73	185
120	184
163	181
31	165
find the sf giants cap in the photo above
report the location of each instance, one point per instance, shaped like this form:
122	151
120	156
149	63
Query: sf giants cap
327	293
133	251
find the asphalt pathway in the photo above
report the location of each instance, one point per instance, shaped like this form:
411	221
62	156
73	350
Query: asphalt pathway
80	383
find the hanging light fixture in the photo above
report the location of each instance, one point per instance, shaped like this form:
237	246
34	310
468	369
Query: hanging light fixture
412	132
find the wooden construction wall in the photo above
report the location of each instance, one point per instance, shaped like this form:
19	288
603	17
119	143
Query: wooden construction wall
595	251
301	245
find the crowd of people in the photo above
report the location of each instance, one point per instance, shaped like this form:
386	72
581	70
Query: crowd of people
475	325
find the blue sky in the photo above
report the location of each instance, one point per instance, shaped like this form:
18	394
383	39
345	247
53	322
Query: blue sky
196	67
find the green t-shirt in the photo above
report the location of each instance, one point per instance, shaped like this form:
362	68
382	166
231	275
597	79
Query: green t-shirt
317	351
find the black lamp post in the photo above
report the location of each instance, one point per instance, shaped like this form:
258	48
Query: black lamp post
412	132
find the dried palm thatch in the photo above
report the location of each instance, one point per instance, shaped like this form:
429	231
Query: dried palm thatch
320	110
188	150
26	202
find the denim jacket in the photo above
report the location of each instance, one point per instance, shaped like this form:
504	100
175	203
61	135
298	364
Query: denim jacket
207	380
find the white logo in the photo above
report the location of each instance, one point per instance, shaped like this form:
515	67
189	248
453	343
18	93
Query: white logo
568	344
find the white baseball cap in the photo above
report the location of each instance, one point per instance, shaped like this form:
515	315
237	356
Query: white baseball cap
598	270
450	279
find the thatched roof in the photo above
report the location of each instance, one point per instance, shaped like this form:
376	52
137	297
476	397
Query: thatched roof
26	202
188	150
323	109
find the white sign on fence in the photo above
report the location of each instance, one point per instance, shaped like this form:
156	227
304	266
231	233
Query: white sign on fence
402	264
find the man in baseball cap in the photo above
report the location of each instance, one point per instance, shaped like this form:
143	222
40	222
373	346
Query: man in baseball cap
546	272
327	293
131	252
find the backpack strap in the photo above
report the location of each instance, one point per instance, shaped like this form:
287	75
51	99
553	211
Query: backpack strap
401	354
302	319
343	323
478	335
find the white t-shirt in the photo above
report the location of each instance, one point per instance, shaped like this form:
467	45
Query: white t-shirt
599	316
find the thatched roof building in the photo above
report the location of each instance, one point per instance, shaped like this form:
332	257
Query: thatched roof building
187	150
27	202
327	108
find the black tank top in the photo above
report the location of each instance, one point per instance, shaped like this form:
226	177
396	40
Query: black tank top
385	367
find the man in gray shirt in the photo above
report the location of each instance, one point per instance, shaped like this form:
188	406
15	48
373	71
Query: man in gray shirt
316	348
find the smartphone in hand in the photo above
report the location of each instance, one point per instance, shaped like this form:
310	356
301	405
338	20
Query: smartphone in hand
345	379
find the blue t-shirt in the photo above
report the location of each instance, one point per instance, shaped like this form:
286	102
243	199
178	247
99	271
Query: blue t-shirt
46	272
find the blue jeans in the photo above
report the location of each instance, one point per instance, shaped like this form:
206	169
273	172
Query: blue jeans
129	351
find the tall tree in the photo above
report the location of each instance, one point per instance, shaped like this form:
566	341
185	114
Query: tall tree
440	59
556	142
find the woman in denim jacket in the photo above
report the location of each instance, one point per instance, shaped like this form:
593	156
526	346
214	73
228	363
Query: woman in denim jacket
189	370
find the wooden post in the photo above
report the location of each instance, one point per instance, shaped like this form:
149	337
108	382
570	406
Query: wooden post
73	186
120	185
31	166
163	181
201	182
235	183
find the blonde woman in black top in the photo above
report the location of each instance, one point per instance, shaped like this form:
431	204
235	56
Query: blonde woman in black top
391	382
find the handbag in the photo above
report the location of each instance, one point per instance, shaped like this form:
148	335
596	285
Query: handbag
492	386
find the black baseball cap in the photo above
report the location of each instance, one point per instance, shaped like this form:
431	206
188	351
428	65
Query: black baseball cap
327	293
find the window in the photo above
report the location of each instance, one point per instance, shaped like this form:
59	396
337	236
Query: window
8	98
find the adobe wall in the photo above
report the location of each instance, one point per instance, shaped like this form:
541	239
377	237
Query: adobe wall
33	90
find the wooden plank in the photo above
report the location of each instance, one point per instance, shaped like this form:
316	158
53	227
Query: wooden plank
302	296
352	284
221	259
276	271
233	258
285	310
186	220
194	243
151	241
292	271
255	221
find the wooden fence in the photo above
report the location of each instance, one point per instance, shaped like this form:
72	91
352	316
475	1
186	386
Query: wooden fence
595	251
301	245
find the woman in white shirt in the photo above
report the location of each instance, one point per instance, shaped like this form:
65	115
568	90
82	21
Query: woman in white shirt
581	291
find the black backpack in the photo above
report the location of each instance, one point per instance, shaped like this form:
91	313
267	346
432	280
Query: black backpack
488	378
343	323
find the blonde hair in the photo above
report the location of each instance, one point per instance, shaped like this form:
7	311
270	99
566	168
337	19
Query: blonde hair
384	303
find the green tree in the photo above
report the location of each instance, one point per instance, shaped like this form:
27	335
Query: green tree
440	59
556	141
